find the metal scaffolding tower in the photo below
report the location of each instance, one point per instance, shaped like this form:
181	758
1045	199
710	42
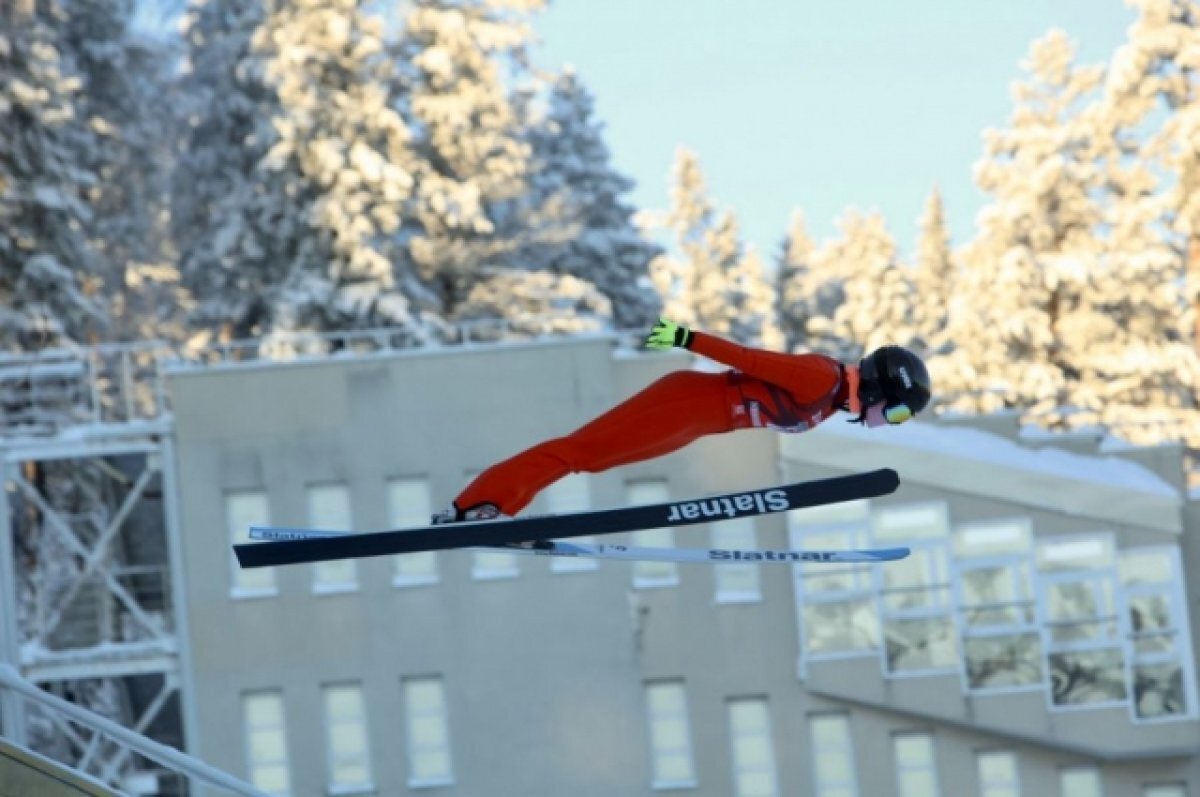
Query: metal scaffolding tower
90	596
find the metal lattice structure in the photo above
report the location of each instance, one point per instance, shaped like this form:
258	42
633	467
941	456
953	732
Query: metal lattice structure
89	610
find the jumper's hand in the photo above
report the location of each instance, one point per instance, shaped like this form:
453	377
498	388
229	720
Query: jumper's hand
667	334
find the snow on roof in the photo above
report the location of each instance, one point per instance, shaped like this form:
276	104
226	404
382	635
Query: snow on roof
974	444
971	461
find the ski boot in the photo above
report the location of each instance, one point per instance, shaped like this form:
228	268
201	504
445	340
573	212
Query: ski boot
477	512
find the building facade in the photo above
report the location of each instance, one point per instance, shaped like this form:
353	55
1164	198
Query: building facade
1037	642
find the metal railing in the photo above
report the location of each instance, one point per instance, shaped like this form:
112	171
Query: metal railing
301	346
168	757
44	393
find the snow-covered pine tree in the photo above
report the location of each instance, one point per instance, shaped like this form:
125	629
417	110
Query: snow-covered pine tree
342	136
239	227
1142	371
876	306
1138	371
711	281
303	168
934	277
532	303
49	272
730	295
126	100
1028	268
800	297
689	214
752	295
1152	96
577	199
475	161
714	256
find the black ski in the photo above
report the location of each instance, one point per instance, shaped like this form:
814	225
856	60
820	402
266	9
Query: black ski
576	524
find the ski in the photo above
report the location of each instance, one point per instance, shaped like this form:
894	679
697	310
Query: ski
635	553
577	524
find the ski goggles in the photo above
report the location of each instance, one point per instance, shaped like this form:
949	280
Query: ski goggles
880	414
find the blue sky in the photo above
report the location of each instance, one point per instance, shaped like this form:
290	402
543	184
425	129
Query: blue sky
810	103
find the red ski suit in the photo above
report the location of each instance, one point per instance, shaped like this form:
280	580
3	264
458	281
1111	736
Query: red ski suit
787	392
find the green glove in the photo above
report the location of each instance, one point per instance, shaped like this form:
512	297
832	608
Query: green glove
667	334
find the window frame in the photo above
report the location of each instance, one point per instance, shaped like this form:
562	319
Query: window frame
248	748
1032	627
652	575
931	767
722	593
241	534
400	519
857	534
683	716
1185	656
330	762
410	749
937	552
572	493
1090	768
819	754
1016	769
1098	580
320	587
767	735
497	565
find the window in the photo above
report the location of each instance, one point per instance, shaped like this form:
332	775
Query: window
832	756
754	772
736	583
572	493
243	510
266	742
1076	553
1003	660
428	733
670	735
1159	643
1080	782
1084	650
1004	537
1001	640
915	595
1165	790
1081	609
835	526
838	615
409	504
916	768
918	581
329	510
997	772
652	574
346	736
494	565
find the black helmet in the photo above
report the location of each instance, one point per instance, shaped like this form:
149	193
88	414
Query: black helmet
896	376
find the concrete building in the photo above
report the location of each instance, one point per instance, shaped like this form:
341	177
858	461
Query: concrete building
1037	642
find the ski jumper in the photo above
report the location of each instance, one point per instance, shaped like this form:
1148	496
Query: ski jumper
765	389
